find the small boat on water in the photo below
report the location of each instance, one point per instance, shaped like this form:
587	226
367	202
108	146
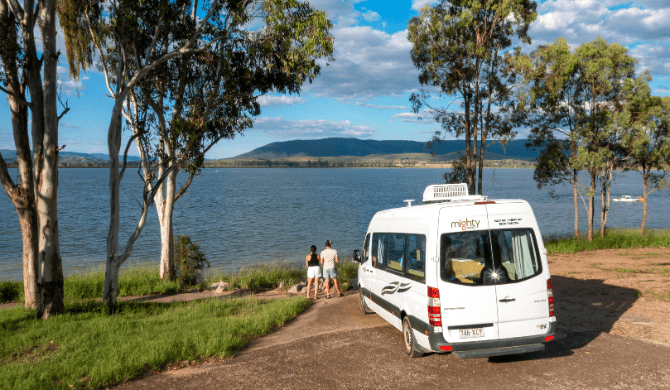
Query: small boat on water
628	198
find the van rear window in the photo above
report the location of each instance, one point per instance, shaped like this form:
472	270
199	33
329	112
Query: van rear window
484	257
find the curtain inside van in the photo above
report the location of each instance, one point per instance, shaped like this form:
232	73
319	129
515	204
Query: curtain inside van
523	253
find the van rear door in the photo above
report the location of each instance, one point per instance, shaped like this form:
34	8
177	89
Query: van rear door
523	309
469	309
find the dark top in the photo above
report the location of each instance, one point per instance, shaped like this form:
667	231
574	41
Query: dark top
314	261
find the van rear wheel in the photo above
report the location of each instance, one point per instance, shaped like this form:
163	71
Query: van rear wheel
411	347
364	306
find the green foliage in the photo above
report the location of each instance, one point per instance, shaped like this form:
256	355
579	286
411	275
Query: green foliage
458	47
614	239
11	291
86	347
189	261
347	270
458	173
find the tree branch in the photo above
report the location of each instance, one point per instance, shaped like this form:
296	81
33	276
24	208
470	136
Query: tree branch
18	99
185	186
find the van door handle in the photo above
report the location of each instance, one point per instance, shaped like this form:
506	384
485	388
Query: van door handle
507	300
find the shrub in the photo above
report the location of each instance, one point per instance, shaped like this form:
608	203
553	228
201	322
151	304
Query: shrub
189	261
11	291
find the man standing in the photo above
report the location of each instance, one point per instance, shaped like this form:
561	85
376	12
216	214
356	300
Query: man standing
329	258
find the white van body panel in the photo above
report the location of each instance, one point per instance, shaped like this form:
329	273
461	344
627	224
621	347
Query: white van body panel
500	313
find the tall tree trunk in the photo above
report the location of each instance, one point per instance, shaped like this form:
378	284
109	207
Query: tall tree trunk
592	190
575	202
113	264
167	267
607	185
645	178
51	270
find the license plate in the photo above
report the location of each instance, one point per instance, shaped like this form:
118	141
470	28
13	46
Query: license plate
470	333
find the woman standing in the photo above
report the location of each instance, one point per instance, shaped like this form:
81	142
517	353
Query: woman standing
313	271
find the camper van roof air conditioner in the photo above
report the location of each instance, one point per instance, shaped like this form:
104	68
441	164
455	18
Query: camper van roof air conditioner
449	193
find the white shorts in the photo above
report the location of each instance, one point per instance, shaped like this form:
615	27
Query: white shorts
314	272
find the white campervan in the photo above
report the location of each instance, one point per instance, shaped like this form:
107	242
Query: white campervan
459	274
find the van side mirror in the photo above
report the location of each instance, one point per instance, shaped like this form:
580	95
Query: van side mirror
357	256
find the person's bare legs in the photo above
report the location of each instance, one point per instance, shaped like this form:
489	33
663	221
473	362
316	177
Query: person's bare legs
327	287
316	288
309	284
337	287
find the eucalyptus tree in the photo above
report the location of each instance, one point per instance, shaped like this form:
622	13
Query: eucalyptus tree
552	103
603	70
253	46
30	83
645	126
459	46
569	103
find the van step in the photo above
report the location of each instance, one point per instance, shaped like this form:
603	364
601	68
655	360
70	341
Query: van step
481	353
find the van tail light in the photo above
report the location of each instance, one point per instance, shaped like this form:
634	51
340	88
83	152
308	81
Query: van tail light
434	308
550	298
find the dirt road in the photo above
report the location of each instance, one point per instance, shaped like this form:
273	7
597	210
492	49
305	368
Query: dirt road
333	345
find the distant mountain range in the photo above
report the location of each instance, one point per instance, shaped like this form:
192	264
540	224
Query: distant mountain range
337	147
70	157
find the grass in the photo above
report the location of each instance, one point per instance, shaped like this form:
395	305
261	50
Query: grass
85	347
614	239
260	277
267	276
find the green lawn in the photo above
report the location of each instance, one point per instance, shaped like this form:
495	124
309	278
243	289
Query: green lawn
614	239
85	347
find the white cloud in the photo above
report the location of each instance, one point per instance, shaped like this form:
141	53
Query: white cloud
662	90
284	100
424	117
653	57
380	107
640	25
368	63
418	4
278	127
370	16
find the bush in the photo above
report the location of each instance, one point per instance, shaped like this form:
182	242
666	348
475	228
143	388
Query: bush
189	261
11	291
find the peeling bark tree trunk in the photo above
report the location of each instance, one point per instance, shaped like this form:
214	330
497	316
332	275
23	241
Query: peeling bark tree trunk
113	264
592	190
575	202
645	179
23	194
51	271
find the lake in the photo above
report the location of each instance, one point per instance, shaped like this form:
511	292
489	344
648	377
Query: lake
252	216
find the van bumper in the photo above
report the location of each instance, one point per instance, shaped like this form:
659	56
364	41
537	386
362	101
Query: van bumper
479	349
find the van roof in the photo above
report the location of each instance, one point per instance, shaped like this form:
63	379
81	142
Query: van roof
426	210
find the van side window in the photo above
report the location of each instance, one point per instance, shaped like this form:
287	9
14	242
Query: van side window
378	250
366	248
395	249
416	255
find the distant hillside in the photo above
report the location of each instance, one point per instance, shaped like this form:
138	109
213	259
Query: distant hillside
337	147
70	158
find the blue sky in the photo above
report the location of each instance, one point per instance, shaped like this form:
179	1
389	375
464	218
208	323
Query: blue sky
365	92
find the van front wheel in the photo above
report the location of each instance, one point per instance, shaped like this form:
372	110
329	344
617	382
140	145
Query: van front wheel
364	307
411	347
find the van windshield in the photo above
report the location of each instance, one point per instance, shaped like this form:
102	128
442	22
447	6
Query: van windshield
487	257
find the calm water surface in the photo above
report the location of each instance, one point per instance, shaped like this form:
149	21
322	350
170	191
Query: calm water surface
250	216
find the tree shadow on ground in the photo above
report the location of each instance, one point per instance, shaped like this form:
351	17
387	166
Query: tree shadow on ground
584	310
